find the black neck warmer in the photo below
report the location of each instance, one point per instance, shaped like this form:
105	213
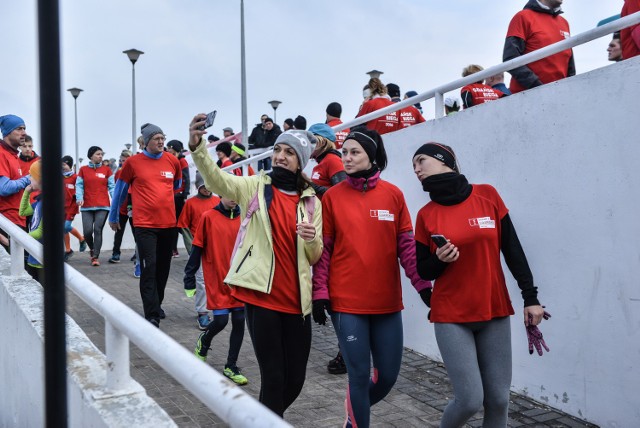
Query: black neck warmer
366	173
232	213
449	188
284	179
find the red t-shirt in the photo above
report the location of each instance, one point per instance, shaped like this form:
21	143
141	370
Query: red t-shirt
340	135
227	162
183	165
285	292
216	235
151	182
473	287
481	93
410	116
329	166
193	210
70	206
10	168
250	171
364	276
383	124
96	189
629	46
539	30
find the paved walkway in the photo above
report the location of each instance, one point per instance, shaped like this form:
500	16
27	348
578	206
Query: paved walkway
417	400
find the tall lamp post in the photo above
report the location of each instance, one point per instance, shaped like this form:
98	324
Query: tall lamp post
375	74
75	92
243	80
133	55
275	104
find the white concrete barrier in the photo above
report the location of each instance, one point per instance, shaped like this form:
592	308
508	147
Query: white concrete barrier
22	365
565	158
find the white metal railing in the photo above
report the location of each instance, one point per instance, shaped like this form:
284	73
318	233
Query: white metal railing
122	324
438	93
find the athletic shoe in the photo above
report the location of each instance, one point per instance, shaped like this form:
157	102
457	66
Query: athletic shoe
94	261
83	246
203	321
201	351
176	253
136	270
133	258
337	365
68	255
155	322
115	258
233	373
162	314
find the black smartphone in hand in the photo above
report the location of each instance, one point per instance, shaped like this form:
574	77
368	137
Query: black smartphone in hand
439	240
208	123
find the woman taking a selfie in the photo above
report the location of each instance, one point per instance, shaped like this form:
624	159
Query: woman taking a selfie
470	306
279	239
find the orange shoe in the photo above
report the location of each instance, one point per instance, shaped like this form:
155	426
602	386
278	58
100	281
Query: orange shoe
94	261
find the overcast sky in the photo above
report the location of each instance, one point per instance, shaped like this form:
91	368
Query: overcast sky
303	53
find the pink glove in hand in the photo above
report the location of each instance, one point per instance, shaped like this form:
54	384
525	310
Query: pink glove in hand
535	336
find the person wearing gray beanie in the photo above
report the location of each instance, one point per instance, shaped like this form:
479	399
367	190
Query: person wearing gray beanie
300	142
148	131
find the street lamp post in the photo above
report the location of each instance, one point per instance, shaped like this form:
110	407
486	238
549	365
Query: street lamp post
75	92
133	55
275	104
375	74
128	146
243	80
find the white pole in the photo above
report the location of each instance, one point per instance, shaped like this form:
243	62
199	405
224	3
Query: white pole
243	79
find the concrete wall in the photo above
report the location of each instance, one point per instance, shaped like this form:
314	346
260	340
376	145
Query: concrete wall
22	368
565	158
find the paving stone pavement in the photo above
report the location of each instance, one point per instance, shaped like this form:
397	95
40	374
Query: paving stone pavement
417	400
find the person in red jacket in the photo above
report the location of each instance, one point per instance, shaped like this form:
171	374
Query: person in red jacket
70	207
630	36
379	99
334	111
470	304
329	171
181	194
477	92
153	175
124	214
194	207
213	246
223	150
533	28
407	116
367	229
94	187
12	179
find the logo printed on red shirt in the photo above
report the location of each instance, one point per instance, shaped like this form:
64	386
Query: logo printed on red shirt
100	175
382	215
482	222
166	174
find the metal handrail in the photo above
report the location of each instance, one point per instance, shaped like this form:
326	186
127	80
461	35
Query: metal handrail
227	400
438	92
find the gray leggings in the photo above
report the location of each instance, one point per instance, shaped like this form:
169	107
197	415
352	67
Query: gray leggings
92	225
478	360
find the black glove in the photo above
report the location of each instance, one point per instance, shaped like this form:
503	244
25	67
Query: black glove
425	295
319	314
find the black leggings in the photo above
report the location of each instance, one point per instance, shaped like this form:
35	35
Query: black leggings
92	225
281	343
218	324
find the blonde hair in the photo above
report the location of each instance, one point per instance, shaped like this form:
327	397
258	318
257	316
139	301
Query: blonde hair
471	69
125	153
377	87
323	145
